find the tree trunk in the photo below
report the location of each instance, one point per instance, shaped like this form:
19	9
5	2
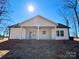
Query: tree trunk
76	34
76	17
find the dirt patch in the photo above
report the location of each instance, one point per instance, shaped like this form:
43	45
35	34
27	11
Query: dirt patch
40	49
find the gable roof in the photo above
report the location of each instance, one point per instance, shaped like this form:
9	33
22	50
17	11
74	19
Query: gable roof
58	24
40	17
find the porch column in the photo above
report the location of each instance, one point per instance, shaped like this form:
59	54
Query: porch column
21	32
38	33
53	33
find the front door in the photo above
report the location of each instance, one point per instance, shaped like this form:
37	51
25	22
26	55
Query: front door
30	35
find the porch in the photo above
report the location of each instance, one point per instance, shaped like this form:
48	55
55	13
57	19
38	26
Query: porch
37	32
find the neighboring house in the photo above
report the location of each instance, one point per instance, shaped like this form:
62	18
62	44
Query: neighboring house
39	28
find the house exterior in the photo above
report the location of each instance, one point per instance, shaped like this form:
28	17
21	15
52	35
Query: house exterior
39	28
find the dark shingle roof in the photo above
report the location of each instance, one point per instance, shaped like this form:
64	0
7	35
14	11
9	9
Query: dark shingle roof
62	26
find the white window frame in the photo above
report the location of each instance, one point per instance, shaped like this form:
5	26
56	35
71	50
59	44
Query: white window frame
59	34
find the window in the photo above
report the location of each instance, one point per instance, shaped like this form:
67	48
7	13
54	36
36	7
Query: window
60	33
57	33
44	32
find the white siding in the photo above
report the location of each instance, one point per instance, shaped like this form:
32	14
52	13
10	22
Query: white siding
17	33
47	35
23	33
37	21
53	33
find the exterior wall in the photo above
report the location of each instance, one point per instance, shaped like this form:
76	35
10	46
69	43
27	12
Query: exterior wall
23	33
17	33
65	37
53	33
45	36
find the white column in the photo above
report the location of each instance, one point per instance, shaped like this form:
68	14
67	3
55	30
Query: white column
38	33
21	32
53	33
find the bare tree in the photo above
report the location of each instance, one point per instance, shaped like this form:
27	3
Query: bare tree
74	26
71	6
3	15
61	13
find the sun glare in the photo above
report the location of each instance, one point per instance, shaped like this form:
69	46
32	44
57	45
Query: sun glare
31	8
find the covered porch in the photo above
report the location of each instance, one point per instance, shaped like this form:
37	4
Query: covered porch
38	32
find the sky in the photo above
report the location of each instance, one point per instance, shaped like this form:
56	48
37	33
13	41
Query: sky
46	8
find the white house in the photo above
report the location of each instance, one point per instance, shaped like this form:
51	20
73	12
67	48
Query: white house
39	28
